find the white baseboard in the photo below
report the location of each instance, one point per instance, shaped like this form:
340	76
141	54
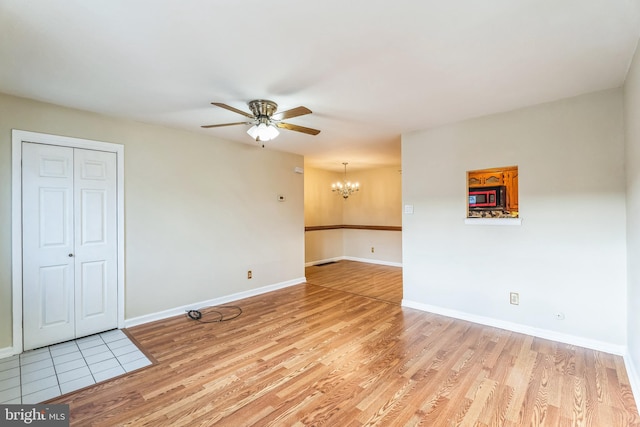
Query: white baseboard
632	373
212	302
7	352
606	347
373	261
350	258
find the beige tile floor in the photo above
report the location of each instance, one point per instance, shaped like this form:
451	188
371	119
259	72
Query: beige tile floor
38	375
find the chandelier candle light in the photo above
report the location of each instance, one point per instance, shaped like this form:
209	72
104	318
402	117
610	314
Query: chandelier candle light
345	188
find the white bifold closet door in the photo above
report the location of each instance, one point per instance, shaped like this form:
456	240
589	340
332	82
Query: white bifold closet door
69	233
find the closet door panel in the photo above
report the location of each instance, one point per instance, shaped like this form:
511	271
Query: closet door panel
48	245
95	241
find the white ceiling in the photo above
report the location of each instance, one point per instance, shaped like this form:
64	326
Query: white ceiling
369	70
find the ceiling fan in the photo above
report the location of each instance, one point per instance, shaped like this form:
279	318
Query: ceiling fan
265	120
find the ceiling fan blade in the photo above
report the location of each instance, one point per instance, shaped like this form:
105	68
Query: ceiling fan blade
225	124
230	108
297	128
294	112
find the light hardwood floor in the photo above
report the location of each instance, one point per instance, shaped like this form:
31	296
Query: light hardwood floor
313	355
369	280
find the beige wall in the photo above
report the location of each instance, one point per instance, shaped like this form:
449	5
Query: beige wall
323	245
321	206
378	203
199	211
569	254
632	157
380	200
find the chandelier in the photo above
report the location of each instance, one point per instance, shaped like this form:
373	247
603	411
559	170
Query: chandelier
345	188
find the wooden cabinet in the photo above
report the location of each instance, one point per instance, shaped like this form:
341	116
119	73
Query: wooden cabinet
511	184
485	179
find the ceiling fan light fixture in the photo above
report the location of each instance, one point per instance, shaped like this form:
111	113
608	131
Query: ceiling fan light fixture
263	132
253	132
267	132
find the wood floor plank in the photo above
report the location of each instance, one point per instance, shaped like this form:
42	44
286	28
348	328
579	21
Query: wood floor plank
341	351
370	280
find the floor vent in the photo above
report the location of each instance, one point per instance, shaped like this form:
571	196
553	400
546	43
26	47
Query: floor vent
325	263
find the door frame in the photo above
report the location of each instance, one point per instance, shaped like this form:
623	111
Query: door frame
17	138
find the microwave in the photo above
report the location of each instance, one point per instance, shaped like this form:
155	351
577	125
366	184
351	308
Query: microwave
486	198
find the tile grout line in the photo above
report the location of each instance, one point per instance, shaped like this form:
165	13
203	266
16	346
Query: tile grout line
55	372
117	358
85	360
22	395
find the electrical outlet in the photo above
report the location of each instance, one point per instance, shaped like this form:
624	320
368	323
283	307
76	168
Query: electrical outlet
372	249
514	298
249	274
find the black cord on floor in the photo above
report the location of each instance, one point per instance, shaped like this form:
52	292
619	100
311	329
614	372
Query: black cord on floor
197	314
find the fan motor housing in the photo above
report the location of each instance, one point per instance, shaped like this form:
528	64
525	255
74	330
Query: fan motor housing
263	108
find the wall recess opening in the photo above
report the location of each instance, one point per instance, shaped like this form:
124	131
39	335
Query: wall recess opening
493	193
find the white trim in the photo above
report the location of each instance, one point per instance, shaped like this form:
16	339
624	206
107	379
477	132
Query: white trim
517	327
632	373
350	258
17	137
493	221
176	311
373	261
16	240
7	352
